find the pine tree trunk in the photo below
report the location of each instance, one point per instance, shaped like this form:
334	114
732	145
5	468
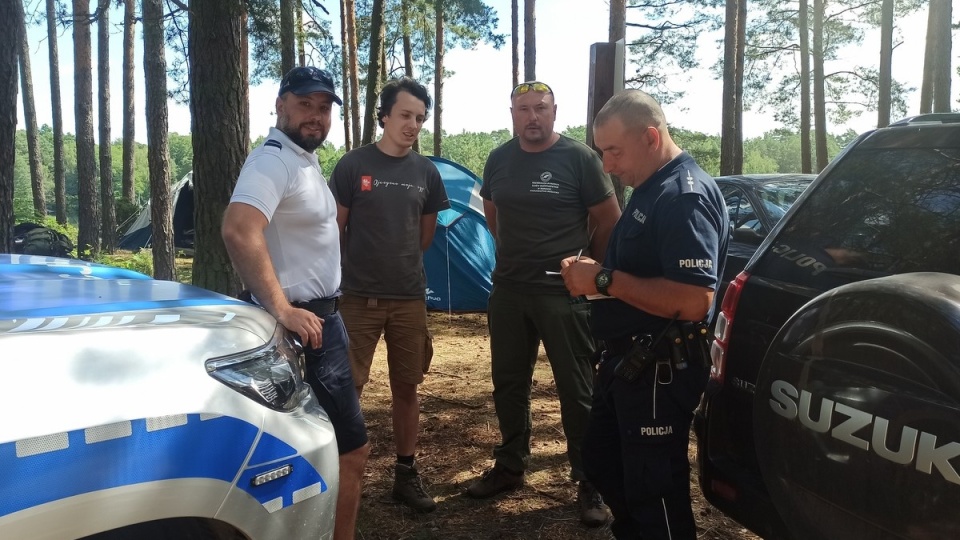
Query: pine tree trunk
287	41
408	50
515	40
373	72
9	37
302	37
158	157
618	20
129	111
886	63
529	40
806	157
929	62
731	132
407	44
819	82
88	198
345	69
349	7
220	127
30	117
59	184
109	233
438	81
941	70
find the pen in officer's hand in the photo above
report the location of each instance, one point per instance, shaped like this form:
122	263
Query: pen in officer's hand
552	273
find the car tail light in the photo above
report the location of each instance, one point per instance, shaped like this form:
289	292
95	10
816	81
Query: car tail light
721	333
271	375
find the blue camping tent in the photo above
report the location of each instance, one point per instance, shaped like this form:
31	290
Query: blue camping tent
460	260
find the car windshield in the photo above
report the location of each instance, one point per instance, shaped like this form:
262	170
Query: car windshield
778	197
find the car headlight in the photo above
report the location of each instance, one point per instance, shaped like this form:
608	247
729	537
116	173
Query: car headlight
271	375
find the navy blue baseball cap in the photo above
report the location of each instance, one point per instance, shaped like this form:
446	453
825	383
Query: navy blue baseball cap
307	80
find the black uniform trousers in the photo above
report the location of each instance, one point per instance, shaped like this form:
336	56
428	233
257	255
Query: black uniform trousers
635	449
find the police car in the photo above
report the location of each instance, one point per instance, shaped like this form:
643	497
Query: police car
139	408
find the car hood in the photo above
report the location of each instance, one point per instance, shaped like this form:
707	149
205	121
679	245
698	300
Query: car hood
45	293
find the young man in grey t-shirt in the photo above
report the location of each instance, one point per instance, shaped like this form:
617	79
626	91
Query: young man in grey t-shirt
388	198
545	198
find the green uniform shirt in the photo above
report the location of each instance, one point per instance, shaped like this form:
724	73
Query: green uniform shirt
542	200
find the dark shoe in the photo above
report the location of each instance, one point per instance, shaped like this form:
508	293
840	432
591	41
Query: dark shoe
408	489
593	513
496	480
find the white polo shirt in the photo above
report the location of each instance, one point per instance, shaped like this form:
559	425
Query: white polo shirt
284	182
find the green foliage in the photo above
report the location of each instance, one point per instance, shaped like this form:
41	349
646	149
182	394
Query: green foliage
471	149
467	23
704	148
181	162
773	42
181	156
328	156
577	133
125	214
141	261
667	42
263	31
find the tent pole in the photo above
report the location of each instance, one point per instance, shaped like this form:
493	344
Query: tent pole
446	238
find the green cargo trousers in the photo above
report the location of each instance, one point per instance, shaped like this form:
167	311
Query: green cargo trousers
518	322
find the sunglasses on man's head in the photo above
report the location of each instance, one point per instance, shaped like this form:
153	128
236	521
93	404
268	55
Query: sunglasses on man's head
536	86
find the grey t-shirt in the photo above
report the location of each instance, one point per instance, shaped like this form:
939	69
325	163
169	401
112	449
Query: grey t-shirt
542	200
386	196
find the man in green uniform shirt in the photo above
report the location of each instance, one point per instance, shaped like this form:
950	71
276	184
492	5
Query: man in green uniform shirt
545	197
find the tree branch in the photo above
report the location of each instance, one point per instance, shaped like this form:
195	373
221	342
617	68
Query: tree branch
179	4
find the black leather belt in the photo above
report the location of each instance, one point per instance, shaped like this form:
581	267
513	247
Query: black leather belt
320	306
619	346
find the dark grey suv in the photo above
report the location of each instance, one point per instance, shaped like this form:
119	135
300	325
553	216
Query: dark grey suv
833	409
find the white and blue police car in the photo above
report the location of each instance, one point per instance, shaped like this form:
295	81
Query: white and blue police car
140	408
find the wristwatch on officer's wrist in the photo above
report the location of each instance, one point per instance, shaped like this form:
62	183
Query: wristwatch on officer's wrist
602	280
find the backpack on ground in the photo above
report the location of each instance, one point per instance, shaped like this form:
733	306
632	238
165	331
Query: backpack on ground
41	240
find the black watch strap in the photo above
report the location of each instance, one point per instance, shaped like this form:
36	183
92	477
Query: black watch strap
602	281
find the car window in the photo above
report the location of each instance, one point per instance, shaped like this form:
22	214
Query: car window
880	211
778	197
741	211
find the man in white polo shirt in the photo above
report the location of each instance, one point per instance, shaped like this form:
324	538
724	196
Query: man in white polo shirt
281	232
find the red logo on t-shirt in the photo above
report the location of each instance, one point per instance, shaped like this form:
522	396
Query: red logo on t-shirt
366	183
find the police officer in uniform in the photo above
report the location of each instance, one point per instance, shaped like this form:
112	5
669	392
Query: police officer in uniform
661	269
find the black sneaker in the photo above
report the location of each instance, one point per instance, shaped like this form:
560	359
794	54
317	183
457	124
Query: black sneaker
496	480
408	489
593	513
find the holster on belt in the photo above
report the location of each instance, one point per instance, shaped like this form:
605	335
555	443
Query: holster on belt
680	344
692	341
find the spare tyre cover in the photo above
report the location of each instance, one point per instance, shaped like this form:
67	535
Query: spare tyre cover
857	411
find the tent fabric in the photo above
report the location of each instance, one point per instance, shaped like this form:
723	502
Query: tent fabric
459	262
139	234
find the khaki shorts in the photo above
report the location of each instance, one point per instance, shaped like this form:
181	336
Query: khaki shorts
403	325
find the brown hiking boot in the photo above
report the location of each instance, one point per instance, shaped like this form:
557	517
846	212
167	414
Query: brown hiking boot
408	489
593	513
496	480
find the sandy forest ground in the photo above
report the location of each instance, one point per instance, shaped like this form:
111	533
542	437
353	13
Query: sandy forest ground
458	432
